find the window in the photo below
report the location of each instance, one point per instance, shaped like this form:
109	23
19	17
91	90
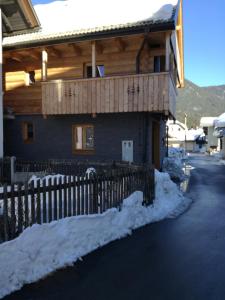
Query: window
28	132
83	138
205	130
159	63
100	71
30	78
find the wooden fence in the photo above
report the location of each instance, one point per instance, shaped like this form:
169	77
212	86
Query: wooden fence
57	197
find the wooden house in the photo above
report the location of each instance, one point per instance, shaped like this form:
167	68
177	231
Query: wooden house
98	86
15	17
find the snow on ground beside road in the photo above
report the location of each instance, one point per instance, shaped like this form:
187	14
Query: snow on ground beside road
174	165
42	249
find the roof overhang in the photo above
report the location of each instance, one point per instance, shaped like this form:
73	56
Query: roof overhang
18	16
76	37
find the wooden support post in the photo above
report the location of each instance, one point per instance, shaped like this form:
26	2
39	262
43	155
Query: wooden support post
1	90
93	58
44	70
167	54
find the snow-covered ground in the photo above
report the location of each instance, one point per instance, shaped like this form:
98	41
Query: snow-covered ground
42	249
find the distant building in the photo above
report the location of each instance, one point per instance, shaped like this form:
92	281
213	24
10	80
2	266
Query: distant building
179	136
219	133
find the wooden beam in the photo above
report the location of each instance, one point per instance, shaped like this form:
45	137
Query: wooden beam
44	69
167	52
93	58
54	52
120	44
6	22
77	50
33	54
16	56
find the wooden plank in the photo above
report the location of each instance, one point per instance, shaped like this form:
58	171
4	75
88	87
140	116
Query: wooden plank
93	97
19	210
55	200
139	91
102	96
111	95
125	95
50	201
145	92
6	214
116	97
107	95
60	198
38	201
44	202
130	95
98	95
135	94
150	93
121	95
155	93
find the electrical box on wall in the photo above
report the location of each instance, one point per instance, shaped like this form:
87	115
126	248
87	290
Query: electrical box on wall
127	151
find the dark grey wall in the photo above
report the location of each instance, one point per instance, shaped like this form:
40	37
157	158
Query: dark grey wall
53	136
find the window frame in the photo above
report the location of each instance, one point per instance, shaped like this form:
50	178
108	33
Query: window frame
25	137
74	140
86	65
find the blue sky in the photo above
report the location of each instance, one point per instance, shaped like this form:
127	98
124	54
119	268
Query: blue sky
204	40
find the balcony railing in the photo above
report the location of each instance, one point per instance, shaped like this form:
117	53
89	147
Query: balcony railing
130	93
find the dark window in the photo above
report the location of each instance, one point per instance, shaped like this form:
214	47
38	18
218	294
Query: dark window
100	71
159	63
205	129
28	132
31	77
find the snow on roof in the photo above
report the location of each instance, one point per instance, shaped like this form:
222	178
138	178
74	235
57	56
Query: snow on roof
220	121
207	121
61	19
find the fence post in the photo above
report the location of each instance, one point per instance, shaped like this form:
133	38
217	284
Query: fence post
12	168
6	215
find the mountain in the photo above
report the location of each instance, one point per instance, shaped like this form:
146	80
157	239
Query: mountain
199	102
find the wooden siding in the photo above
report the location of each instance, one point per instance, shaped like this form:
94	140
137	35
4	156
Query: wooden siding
132	93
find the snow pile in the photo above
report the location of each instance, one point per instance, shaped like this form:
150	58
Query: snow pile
174	167
61	16
176	152
42	249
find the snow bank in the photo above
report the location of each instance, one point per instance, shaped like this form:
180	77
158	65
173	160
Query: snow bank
42	249
173	165
176	152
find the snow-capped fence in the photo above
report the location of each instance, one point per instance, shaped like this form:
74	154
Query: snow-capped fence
56	197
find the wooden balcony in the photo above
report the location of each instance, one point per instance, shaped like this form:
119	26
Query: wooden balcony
131	93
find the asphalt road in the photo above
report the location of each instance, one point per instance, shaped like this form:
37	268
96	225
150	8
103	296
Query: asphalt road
182	258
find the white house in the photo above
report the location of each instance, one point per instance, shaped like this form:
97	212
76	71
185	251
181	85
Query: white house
219	133
208	125
180	136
